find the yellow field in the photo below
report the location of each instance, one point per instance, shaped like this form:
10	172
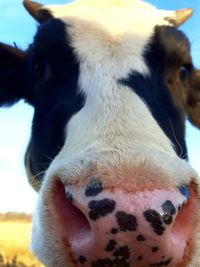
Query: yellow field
14	245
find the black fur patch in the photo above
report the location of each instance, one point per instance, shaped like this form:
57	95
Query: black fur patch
167	219
169	211
154	218
94	187
167	44
111	245
140	258
82	259
52	83
169	208
114	231
127	222
122	252
111	263
140	238
155	249
161	263
101	208
121	259
13	82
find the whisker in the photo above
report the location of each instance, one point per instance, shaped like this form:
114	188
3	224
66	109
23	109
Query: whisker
177	142
39	173
48	157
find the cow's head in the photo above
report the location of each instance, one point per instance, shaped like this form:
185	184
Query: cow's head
111	82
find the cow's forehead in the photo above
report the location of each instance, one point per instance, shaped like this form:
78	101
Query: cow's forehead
117	16
111	31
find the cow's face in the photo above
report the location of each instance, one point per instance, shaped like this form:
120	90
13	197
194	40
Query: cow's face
108	130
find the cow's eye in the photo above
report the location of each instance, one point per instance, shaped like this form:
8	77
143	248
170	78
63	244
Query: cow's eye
185	71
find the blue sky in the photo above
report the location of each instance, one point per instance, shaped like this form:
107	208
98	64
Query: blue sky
15	123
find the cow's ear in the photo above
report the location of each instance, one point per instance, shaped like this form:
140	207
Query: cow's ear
193	100
12	75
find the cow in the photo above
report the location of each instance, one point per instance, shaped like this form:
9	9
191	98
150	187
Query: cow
111	83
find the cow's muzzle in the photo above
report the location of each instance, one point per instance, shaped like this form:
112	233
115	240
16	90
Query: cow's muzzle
116	228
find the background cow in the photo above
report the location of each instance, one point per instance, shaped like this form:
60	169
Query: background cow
109	111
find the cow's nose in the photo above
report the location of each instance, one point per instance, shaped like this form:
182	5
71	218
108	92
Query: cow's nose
116	228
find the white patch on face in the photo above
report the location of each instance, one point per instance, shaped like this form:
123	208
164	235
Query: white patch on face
109	39
111	34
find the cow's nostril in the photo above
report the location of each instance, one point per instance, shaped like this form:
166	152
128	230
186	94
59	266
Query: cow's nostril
74	224
80	230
